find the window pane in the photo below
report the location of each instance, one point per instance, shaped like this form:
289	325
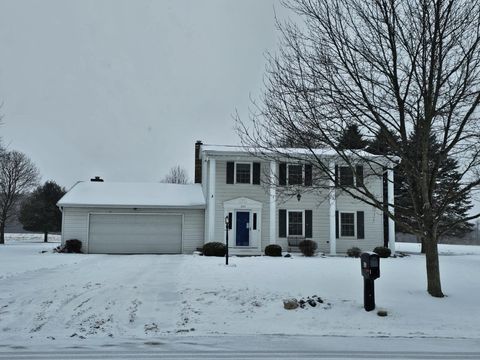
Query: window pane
243	173
346	176
347	221
295	174
295	223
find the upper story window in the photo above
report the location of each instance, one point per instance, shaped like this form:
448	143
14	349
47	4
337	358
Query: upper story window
295	174
243	173
345	176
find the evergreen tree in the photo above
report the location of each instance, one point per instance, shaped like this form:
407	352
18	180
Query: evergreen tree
39	211
351	139
447	184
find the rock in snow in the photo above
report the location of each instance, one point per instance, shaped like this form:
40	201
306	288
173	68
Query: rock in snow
290	304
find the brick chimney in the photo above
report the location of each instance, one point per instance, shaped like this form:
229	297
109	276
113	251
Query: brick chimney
198	163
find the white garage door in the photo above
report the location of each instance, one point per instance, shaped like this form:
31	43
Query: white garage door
135	234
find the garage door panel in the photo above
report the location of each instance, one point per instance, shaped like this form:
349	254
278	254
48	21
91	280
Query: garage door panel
132	233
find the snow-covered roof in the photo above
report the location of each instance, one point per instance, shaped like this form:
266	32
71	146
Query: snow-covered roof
279	151
119	194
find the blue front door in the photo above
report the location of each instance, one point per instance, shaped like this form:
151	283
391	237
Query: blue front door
243	231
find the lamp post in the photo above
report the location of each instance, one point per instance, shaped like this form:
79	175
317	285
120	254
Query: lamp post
227	223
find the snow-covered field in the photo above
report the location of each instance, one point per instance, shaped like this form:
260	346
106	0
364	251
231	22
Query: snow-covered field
106	299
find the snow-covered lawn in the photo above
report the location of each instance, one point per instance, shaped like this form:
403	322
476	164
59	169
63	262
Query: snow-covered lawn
67	298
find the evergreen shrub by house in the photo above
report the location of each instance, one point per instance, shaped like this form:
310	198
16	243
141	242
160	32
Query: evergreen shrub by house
214	249
73	246
354	252
307	247
273	250
382	251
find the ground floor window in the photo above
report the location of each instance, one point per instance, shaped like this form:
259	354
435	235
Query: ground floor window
347	224
295	223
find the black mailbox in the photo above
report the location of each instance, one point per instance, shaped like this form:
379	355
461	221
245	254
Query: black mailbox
370	265
370	271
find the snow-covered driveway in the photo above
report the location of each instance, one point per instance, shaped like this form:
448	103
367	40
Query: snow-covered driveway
78	296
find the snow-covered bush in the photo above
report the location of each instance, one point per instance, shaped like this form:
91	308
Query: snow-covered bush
354	252
273	250
214	249
382	251
307	247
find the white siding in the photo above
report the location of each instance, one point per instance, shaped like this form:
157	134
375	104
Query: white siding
317	201
224	192
75	223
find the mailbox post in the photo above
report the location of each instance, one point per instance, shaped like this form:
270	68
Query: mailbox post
370	263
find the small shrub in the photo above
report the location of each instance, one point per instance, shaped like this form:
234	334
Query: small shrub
70	246
382	251
214	249
273	250
354	252
73	246
307	247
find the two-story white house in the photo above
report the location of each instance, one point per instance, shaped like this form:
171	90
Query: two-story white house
233	187
249	192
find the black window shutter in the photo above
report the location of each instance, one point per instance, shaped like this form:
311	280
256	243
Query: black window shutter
308	224
230	220
254	221
336	225
360	225
336	176
230	172
282	223
256	173
359	171
282	174
308	175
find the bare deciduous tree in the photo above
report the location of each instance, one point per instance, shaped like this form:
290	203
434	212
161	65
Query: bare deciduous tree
395	67
176	175
18	175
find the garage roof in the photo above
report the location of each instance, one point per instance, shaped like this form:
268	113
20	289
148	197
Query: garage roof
116	194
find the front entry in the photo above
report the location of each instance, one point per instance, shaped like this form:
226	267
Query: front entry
243	228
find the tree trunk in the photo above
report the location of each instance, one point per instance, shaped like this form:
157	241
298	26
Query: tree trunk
45	236
434	287
422	249
2	234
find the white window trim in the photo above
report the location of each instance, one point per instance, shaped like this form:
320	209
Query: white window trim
354	224
303	174
303	222
251	172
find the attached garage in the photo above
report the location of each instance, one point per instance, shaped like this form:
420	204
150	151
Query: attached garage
135	233
127	218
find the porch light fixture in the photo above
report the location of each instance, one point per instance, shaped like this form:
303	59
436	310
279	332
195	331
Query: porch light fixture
299	196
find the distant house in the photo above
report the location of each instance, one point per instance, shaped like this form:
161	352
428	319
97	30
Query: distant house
233	184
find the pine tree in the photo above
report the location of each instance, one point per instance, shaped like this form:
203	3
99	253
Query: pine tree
39	211
351	139
446	184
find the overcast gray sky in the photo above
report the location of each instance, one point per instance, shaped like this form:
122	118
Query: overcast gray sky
122	89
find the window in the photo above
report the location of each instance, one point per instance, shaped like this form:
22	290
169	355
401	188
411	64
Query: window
295	223
243	173
346	176
347	224
295	174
